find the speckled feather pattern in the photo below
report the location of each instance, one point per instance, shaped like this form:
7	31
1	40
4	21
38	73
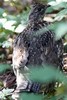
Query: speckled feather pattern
32	48
35	49
40	48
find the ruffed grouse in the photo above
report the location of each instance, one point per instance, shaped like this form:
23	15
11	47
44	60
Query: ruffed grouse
34	49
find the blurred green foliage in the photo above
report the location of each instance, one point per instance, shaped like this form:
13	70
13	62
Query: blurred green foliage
14	23
4	67
59	24
45	75
10	24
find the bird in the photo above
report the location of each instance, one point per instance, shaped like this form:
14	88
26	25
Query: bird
33	47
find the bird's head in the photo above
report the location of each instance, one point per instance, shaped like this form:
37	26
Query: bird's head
37	11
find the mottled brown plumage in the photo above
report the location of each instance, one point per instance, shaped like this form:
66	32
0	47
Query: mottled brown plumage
31	48
39	47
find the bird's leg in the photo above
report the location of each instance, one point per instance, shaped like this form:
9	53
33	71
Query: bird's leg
21	81
15	95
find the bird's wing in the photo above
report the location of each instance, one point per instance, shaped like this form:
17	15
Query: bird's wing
52	50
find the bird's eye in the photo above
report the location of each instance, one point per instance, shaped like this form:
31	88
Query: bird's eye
39	9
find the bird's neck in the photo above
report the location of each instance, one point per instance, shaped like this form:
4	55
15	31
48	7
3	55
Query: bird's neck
34	21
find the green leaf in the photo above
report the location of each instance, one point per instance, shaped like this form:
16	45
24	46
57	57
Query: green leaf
65	47
50	0
40	74
61	14
1	12
2	34
1	26
45	74
31	96
5	92
65	98
49	10
2	39
4	67
6	44
9	25
20	28
60	6
66	37
10	17
59	28
7	32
